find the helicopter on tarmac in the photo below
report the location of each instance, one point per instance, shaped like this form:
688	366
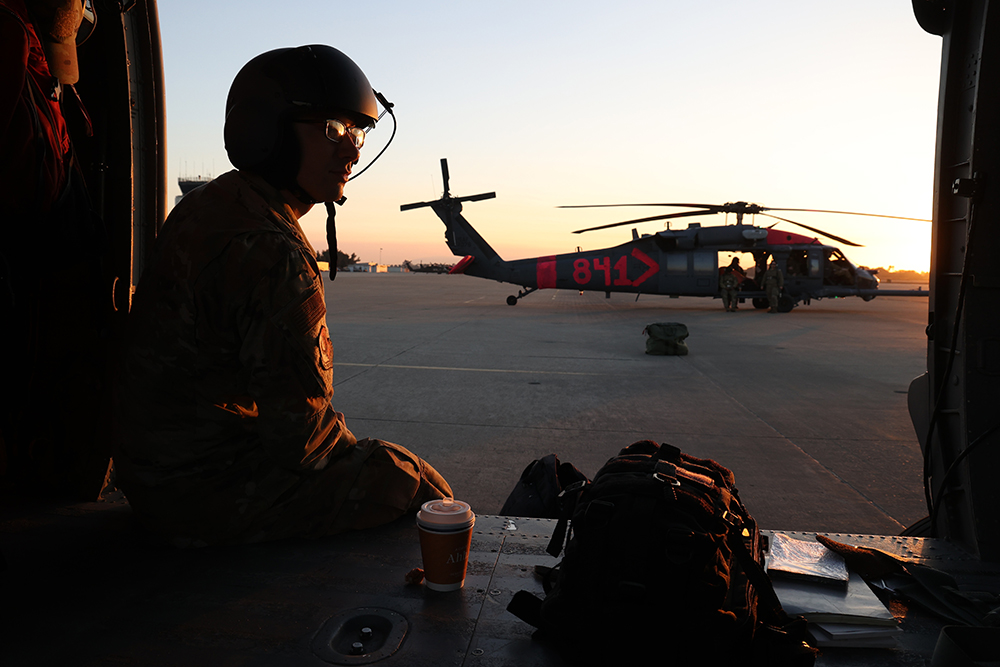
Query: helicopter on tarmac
426	268
671	262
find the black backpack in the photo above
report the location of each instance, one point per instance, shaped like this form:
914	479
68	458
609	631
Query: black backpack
662	566
537	492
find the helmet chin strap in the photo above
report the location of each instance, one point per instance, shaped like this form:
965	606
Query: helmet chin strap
331	234
331	221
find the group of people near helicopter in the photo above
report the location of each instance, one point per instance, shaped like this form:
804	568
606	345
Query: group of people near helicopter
732	277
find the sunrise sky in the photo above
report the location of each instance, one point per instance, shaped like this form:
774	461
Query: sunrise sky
779	102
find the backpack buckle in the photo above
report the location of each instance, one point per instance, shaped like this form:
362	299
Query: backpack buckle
660	477
573	488
733	521
664	471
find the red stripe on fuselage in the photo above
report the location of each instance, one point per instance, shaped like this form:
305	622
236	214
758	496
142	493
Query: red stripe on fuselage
462	265
779	237
546	272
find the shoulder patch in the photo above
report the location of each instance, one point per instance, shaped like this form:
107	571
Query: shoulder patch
303	320
325	349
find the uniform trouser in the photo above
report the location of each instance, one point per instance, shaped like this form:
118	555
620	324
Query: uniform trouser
773	295
729	299
370	484
363	485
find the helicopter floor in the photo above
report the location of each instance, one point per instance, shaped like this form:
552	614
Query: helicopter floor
82	587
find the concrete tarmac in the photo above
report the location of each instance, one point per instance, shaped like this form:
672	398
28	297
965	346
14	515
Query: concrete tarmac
807	408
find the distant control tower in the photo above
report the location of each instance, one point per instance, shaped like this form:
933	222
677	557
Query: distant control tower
188	183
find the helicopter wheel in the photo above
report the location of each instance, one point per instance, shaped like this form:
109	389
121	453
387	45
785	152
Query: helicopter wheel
512	300
785	304
760	303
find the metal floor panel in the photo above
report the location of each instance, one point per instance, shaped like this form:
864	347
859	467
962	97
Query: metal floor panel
82	587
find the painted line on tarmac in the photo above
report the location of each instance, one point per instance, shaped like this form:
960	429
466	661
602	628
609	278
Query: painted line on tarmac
471	370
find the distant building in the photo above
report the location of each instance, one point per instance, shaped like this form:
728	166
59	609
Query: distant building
375	267
187	184
369	267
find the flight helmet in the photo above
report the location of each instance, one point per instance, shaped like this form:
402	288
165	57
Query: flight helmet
280	86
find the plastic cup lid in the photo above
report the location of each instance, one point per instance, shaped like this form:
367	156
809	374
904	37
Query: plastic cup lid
445	511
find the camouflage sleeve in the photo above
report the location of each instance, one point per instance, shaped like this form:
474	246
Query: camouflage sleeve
287	352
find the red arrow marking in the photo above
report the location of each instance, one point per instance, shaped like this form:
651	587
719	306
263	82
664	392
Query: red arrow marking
645	259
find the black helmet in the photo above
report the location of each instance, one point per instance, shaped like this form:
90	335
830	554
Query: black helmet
278	86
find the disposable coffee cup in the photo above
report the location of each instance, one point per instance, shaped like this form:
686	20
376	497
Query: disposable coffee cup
445	528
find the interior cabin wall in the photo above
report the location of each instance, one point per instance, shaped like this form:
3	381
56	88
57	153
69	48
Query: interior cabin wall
57	442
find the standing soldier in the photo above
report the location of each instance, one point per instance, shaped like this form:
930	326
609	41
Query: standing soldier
774	282
730	278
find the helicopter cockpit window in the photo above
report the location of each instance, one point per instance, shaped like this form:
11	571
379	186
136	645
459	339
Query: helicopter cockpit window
814	264
838	270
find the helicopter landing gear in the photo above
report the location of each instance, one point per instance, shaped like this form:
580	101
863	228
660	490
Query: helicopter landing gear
759	302
512	300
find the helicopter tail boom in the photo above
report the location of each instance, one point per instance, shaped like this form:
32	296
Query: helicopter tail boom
463	240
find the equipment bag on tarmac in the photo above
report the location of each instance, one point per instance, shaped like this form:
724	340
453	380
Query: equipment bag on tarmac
666	338
662	567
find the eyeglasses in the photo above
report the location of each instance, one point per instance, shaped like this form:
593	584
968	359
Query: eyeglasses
336	130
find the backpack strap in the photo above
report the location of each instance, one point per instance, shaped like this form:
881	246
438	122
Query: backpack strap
567	499
779	639
756	574
668	452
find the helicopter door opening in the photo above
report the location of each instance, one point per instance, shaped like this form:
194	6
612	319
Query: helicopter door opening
744	266
744	261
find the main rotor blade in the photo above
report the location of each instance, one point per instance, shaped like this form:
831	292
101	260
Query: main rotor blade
616	205
820	210
683	214
723	207
813	229
444	174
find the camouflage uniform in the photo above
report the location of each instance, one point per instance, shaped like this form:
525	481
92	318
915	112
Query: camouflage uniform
729	285
774	282
227	431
